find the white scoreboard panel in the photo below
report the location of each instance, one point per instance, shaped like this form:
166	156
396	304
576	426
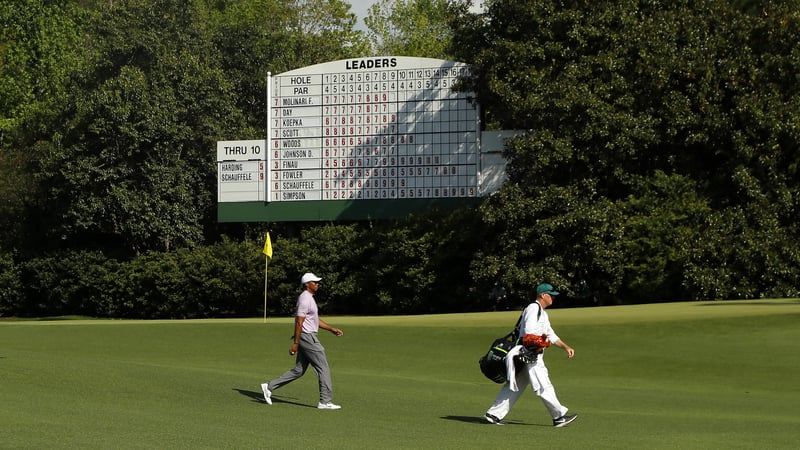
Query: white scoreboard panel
384	128
240	170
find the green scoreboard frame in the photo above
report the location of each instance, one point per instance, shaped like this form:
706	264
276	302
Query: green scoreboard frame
334	210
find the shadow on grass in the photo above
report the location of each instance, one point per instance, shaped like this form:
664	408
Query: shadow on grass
468	419
45	318
751	303
482	421
258	397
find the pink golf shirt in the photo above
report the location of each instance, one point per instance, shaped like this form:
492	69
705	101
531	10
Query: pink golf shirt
307	307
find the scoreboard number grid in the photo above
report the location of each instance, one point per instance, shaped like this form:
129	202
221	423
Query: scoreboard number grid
387	128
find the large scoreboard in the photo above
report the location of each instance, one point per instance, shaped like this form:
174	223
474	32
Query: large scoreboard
356	138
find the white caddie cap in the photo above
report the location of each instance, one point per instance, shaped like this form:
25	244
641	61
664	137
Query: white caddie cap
309	277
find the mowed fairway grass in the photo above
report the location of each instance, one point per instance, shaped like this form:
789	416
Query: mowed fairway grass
709	375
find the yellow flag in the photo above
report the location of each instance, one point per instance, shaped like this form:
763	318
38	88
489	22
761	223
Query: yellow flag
268	247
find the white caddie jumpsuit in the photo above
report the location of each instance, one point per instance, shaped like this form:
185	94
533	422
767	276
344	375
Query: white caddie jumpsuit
534	321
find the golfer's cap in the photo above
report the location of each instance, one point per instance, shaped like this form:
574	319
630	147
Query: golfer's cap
309	277
545	288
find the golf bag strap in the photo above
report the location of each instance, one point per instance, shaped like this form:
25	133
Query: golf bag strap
515	334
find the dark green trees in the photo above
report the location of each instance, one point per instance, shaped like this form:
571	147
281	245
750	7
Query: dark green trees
659	160
661	154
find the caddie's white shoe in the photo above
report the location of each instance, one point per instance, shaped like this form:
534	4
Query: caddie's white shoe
328	405
494	419
564	420
267	393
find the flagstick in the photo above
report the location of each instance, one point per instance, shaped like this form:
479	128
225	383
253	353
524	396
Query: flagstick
266	270
267	255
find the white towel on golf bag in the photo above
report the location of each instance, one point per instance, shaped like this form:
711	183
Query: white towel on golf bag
511	371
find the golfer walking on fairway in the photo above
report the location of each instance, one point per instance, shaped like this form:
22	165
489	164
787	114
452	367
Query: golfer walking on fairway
536	335
307	347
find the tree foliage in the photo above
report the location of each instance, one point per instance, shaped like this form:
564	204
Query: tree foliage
129	161
626	105
40	50
411	27
659	159
255	37
118	212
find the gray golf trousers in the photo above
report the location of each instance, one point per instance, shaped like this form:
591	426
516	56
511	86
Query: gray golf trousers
310	351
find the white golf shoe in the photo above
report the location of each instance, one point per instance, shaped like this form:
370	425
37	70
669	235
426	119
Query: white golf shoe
267	393
328	405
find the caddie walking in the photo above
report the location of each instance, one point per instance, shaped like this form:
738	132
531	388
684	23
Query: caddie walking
536	335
